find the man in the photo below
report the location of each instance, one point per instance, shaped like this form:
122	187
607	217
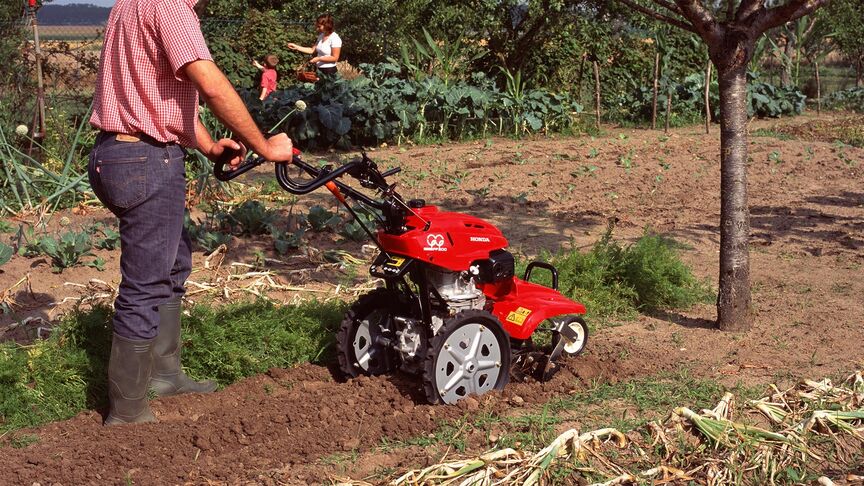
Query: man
153	66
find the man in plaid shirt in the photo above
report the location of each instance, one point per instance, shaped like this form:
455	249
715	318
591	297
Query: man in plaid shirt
154	65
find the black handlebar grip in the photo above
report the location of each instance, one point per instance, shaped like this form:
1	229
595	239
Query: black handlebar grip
245	166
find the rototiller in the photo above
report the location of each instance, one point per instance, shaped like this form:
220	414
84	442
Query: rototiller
451	311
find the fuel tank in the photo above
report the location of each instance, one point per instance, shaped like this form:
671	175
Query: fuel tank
446	239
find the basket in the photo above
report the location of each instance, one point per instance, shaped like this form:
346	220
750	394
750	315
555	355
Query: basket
306	73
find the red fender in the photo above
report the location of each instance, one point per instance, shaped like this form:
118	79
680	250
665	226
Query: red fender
521	306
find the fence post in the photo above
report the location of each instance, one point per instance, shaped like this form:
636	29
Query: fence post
654	104
818	89
668	110
39	115
597	91
707	104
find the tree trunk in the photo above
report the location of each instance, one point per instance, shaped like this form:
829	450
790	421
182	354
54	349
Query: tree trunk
734	311
788	53
597	92
654	104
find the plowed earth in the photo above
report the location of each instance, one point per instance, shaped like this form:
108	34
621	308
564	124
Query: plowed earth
300	426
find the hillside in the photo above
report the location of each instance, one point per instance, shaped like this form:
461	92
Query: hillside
73	14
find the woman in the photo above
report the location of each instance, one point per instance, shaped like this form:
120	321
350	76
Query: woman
326	49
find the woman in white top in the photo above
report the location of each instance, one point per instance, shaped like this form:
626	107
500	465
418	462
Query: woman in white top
326	49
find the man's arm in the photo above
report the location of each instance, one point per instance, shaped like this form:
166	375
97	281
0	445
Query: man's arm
220	96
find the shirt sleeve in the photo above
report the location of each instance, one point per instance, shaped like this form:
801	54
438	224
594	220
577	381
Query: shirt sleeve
180	33
335	40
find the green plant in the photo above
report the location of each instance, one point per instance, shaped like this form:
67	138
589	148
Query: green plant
6	227
251	218
321	219
110	239
6	252
616	282
207	234
353	230
30	183
775	157
284	241
65	252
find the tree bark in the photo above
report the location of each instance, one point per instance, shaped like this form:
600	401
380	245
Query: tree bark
734	312
788	53
656	85
597	92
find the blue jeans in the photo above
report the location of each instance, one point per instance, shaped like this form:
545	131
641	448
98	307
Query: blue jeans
144	184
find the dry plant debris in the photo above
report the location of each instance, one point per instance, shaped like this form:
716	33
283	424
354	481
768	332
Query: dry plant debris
813	421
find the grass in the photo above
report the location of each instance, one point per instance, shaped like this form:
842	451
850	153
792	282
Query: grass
56	378
616	282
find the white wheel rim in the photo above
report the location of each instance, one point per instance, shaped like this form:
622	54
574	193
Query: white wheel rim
468	363
362	342
574	346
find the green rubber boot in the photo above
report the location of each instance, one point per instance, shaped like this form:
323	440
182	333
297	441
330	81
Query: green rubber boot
167	378
128	377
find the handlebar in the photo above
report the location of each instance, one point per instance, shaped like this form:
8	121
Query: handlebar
364	170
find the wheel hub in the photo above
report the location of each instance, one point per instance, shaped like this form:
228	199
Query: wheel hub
469	363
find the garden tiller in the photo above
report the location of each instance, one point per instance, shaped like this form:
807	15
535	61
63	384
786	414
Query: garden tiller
451	310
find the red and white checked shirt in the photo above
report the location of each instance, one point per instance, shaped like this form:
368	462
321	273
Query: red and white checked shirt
140	88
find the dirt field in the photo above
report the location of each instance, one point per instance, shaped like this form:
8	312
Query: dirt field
807	253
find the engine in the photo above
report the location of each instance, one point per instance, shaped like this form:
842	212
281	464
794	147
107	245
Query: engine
458	290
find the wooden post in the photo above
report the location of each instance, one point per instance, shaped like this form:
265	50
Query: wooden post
40	93
597	91
707	103
668	109
818	89
656	84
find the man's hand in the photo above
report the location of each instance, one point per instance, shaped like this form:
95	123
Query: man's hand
227	150
278	149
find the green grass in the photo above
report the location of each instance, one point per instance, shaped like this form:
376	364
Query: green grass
56	378
615	282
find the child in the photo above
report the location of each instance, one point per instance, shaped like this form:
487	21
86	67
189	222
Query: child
268	77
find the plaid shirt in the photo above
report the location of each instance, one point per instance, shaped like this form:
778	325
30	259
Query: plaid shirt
140	88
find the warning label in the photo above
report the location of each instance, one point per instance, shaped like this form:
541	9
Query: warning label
518	316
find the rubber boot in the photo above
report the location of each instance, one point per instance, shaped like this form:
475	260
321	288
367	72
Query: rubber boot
128	378
167	378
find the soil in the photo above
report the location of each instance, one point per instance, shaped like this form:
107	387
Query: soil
300	426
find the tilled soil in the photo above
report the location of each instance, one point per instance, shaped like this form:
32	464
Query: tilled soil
287	426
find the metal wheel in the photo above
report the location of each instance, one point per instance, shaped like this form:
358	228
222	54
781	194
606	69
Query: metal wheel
575	338
358	341
470	355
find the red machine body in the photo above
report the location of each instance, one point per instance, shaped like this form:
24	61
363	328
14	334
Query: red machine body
455	241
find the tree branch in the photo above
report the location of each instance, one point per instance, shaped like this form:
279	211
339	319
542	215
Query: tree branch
657	15
748	8
792	10
701	18
668	6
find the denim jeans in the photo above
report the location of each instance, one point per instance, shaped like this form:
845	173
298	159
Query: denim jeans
144	184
